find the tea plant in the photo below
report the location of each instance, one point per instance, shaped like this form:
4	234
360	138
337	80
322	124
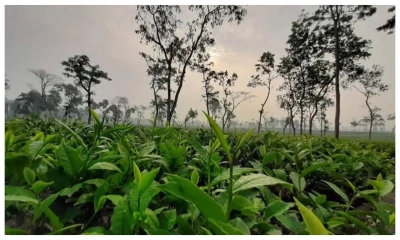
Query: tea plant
73	178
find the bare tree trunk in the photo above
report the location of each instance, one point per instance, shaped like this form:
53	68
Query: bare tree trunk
259	121
337	69
89	105
321	125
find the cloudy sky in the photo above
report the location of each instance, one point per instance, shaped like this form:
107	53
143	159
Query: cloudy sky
43	36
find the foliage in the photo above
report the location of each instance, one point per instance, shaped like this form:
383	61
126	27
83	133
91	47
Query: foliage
68	178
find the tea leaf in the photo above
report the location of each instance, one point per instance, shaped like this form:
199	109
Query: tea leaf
29	175
14	198
206	205
74	134
195	177
337	190
256	180
276	208
69	159
314	225
147	180
105	166
121	220
39	186
220	135
221	228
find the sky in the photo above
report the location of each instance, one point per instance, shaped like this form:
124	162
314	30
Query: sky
41	37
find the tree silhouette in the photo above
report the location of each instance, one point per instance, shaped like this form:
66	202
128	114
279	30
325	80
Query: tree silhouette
265	66
85	76
390	23
371	82
159	26
336	23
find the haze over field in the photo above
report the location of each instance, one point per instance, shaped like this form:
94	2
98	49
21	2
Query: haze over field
43	36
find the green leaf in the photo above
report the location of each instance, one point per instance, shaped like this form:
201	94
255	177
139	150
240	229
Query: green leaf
280	174
9	140
54	220
314	225
14	198
66	228
357	222
243	139
302	154
95	116
168	219
256	180
121	221
138	175
351	185
84	198
220	135
276	208
206	205
97	182
158	232
70	191
236	172
290	222
184	227
18	191
69	159
95	231
299	182
313	167
147	180
74	134
240	225
244	205
29	175
98	200
35	147
195	177
15	231
151	219
357	166
105	166
222	228
44	205
39	186
115	199
382	213
337	190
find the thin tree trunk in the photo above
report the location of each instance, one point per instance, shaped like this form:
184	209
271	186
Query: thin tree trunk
89	105
337	69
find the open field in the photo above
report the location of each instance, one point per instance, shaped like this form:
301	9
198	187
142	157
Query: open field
73	178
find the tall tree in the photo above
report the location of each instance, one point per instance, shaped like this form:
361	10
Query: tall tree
157	70
72	98
85	76
46	80
208	77
31	103
371	85
337	25
390	23
354	124
140	110
288	100
7	84
192	114
53	100
265	66
160	26
391	117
